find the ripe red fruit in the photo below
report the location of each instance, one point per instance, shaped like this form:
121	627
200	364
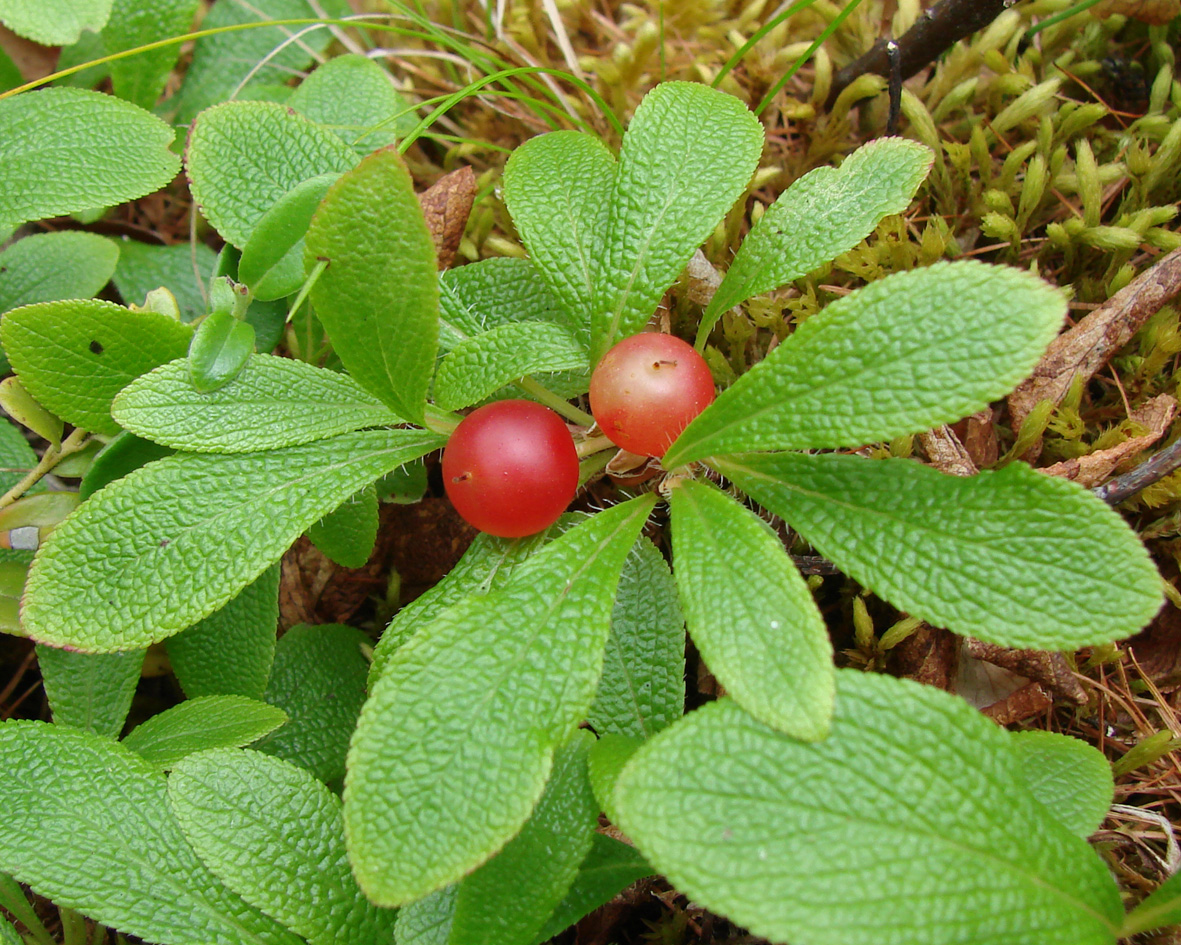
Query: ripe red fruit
510	468
646	390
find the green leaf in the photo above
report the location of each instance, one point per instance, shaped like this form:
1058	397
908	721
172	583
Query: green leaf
10	74
609	868
88	825
507	900
607	759
456	741
823	214
19	404
92	691
558	188
133	23
192	530
122	455
74	356
274	402
54	22
347	533
274	834
642	689
319	680
243	156
353	97
1072	779
427	921
272	259
230	652
378	298
183	269
219	350
482	365
1160	909
688	154
48	267
252	58
486	565
200	724
485	295
750	614
913	802
65	150
1012	556
8	934
901	355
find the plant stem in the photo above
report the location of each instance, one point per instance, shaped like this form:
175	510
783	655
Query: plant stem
594	445
13	899
554	402
73	927
313	276
441	421
52	456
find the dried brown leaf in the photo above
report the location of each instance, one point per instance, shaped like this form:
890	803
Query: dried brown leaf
1156	12
1049	669
978	434
1085	348
1026	703
929	655
447	204
946	453
1090	470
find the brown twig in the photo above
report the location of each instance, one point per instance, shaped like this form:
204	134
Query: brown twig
1155	469
935	31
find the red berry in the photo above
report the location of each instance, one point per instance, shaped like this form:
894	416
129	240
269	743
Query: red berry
510	468
646	390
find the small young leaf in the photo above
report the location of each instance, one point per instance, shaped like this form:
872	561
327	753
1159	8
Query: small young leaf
88	825
347	533
92	691
901	355
609	868
230	652
272	259
437	786
183	269
750	613
1013	556
642	689
319	680
482	365
74	356
253	57
1072	779
49	267
894	801
486	565
506	901
242	157
353	97
192	530
688	154
499	291
133	23
122	455
54	22
19	404
558	188
273	834
273	402
65	150
378	298
219	350
200	724
1160	909
826	212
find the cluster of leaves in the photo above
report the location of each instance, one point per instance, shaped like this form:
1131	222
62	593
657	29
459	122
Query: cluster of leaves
468	768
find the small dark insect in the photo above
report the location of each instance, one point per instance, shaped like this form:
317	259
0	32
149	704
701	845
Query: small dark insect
96	348
1127	85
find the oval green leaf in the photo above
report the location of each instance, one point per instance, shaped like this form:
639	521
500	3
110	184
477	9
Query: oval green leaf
219	350
901	355
913	802
201	724
48	267
1014	557
91	691
167	545
1072	779
379	296
436	786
